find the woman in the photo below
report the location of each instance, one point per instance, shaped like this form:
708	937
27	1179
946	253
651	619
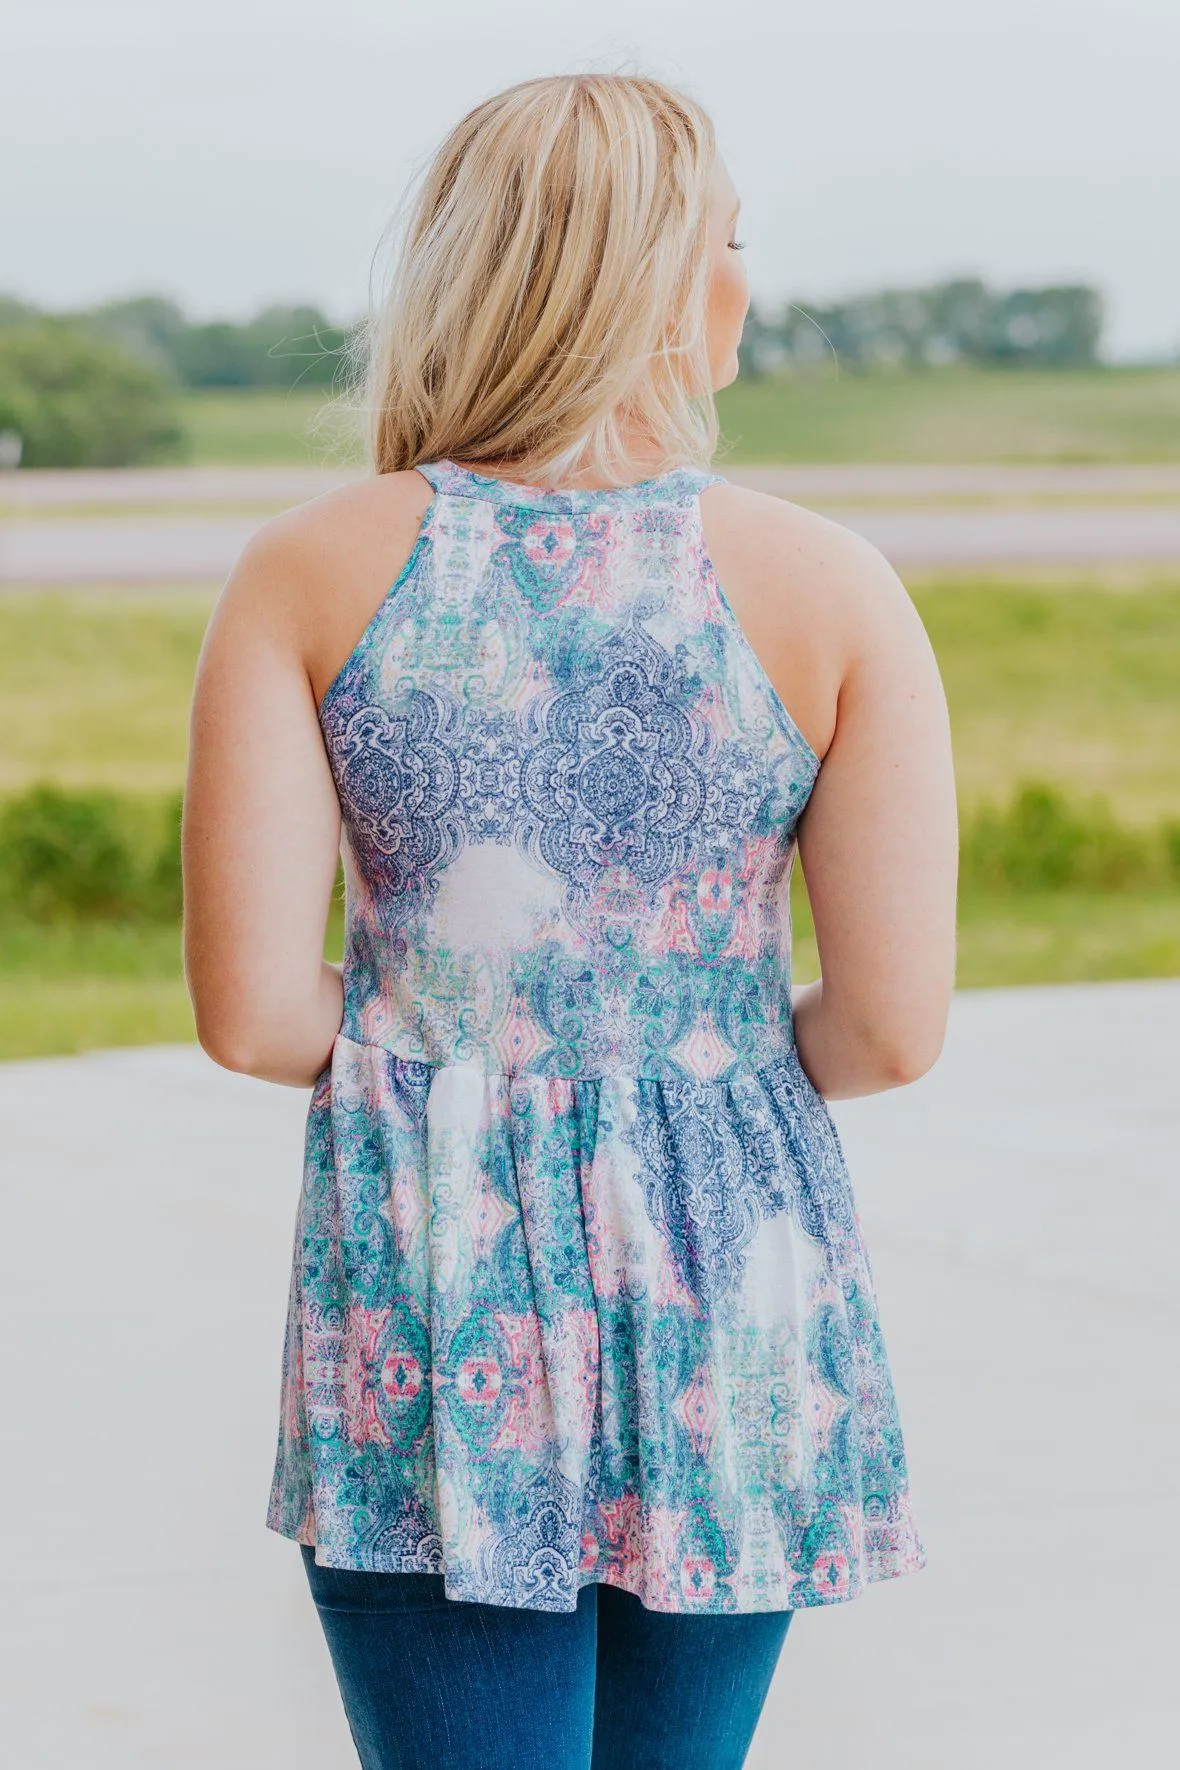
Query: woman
583	1390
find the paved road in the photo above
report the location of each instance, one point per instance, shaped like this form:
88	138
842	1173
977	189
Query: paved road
172	550
1023	1210
123	550
117	488
140	488
190	525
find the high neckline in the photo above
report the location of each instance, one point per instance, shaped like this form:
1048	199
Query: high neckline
676	486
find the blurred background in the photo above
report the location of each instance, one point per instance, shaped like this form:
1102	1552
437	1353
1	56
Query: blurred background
965	343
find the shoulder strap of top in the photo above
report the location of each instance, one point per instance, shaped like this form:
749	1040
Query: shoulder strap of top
700	477
680	485
440	474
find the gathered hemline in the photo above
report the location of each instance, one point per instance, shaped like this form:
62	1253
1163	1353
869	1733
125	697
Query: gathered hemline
880	1573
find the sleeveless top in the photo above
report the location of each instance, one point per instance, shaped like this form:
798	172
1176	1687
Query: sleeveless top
579	1291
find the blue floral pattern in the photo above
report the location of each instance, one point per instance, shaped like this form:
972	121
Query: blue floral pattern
617	778
579	1292
402	782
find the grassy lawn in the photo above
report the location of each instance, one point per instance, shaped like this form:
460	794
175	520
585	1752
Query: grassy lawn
95	687
959	415
1062	680
1046	937
72	989
1065	682
248	428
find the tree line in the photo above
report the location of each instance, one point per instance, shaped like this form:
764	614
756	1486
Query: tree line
278	347
102	386
964	321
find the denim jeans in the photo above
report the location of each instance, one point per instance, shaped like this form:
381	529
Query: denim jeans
430	1683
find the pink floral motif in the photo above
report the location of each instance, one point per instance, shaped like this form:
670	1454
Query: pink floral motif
698	1577
485	1217
703	1053
478	1381
549	543
830	1573
715	890
365	1424
696	1409
363	1333
378	1019
528	1423
760	884
826	1408
401	1376
365	1328
594	586
518	1039
673	932
620	1533
407	1206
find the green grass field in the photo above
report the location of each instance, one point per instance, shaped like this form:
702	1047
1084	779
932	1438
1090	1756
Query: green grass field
1069	683
248	428
95	687
77	989
1062	680
959	415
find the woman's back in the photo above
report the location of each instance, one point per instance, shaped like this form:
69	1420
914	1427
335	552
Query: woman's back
570	794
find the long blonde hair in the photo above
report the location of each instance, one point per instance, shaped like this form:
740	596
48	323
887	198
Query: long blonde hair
547	306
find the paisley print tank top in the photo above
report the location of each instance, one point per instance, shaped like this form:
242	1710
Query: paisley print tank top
579	1291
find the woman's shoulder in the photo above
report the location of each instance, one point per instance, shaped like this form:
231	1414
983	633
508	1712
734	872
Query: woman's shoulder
315	575
811	595
790	545
356	519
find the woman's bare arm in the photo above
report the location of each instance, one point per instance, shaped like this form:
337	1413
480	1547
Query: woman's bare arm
261	830
879	847
843	644
262	819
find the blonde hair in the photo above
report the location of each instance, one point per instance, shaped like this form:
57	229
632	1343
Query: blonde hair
547	306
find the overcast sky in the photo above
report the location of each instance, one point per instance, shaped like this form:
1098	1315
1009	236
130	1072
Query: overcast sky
234	152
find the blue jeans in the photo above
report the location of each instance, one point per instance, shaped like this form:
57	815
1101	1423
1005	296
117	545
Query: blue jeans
430	1683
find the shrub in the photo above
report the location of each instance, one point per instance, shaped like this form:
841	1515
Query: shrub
64	855
73	856
1170	838
81	401
96	855
1041	842
163	896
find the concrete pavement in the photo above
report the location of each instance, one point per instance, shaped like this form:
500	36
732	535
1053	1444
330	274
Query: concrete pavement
1023	1211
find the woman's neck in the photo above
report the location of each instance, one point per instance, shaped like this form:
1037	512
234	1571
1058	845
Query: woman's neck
641	457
